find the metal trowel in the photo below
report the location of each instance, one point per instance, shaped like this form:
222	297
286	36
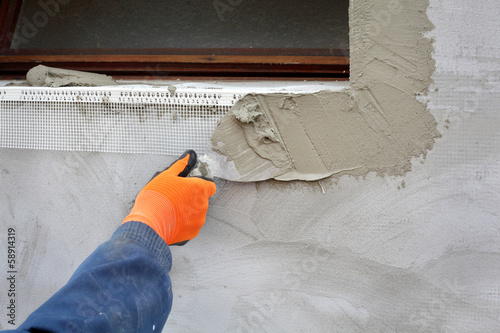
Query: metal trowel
212	164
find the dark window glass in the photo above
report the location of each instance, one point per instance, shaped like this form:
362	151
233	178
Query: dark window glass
316	24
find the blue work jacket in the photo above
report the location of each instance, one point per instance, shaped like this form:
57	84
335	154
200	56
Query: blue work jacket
123	286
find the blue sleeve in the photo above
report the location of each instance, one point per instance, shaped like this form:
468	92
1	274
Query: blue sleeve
123	286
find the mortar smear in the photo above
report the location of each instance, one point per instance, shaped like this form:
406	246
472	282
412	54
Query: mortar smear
43	76
375	125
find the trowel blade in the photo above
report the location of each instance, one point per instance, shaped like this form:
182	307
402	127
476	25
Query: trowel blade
218	166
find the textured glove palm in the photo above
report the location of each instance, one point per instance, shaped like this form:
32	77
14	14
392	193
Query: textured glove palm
171	204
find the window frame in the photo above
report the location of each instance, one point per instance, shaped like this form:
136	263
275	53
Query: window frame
188	63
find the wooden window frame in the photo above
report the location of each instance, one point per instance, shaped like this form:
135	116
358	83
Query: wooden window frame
223	63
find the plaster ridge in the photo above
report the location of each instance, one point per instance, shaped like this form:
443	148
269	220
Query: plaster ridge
269	116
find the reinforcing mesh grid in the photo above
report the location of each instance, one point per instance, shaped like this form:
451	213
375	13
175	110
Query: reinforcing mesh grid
109	119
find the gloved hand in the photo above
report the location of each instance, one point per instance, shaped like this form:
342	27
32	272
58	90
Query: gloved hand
171	204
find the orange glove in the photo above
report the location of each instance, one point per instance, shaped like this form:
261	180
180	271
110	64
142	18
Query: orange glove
171	204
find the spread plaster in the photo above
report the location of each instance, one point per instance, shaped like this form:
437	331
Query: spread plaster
377	124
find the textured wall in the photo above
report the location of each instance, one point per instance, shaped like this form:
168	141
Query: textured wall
417	253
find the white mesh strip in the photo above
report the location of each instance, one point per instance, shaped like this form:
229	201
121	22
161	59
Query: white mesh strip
121	119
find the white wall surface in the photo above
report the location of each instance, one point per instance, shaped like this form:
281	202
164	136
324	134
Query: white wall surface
413	254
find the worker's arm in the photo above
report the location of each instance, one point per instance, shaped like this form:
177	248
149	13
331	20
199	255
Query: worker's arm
123	285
